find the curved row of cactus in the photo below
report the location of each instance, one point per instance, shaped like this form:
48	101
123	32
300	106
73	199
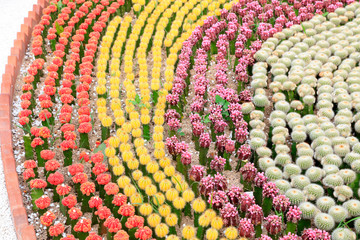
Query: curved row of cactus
86	185
108	172
312	149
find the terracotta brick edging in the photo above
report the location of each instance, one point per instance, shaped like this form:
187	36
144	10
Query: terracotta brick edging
24	231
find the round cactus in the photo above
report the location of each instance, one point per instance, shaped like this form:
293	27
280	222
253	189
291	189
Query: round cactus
324	221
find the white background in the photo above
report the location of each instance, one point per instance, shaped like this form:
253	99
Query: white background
12	14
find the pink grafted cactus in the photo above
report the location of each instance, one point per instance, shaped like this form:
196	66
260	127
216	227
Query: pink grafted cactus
230	215
255	214
273	224
234	194
218	199
196	173
246	228
246	201
281	203
217	164
248	172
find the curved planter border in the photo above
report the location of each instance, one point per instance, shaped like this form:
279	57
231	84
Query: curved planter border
24	231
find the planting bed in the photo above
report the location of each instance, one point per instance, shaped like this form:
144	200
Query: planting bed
189	119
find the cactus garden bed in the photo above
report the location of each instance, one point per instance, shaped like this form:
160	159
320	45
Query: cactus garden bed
189	119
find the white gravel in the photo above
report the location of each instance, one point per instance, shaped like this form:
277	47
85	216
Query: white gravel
12	14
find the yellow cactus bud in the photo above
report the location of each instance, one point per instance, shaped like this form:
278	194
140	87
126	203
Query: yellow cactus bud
137	174
126	127
101	89
181	185
134	115
153	220
129	190
161	230
159	129
152	167
231	233
124	147
158	199
145	209
158	137
150	190
169	170
136	132
159	145
114	93
159	153
204	221
139	142
113	161
188	195
179	203
106	121
217	223
199	205
210	213
124	137
145	119
136	199
133	164
110	151
114	142
164	210
165	185
127	156
171	194
144	182
118	169
101	102
123	181
145	159
171	219
212	234
159	176
188	232
164	162
141	150
158	120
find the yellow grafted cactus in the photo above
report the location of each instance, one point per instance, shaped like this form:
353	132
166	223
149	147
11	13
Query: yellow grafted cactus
171	194
123	181
136	199
179	203
153	220
137	174
165	185
164	210
144	182
132	164
171	219
217	223
212	234
129	190
159	176
161	230
113	161
152	167
231	233
145	209
158	199
199	205
150	190
188	232
204	221
188	195
118	170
